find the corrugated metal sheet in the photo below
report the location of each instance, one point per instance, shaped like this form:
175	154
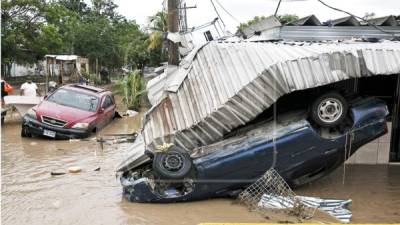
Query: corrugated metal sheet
345	21
309	29
321	33
264	24
384	21
63	57
310	20
225	85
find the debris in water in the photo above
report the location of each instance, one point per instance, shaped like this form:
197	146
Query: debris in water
74	169
97	169
130	113
57	173
116	139
335	208
117	115
101	141
273	193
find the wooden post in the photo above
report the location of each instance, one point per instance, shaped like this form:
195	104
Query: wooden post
97	67
173	48
60	76
47	75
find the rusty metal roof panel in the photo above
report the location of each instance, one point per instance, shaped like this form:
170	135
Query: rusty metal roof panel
224	85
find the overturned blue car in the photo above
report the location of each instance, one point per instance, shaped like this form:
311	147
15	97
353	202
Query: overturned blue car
233	109
301	145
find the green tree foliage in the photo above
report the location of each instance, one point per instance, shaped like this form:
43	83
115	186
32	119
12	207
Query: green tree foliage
287	18
255	20
34	28
21	27
157	26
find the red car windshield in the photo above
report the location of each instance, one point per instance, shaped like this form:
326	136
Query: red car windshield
74	99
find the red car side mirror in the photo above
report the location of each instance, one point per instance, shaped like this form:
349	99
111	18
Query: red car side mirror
101	110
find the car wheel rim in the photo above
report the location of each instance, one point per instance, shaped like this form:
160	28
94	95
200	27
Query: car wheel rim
173	162
330	110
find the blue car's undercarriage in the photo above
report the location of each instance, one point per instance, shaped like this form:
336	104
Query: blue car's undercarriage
303	153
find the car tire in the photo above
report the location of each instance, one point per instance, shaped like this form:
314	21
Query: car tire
175	163
25	132
329	110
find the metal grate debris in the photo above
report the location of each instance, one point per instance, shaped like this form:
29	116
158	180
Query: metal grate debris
271	192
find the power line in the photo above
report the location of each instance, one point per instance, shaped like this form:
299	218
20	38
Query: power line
277	8
360	18
232	16
226	11
216	11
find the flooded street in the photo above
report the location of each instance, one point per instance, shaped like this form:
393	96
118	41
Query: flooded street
375	191
30	195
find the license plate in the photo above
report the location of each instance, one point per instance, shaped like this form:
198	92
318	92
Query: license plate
49	133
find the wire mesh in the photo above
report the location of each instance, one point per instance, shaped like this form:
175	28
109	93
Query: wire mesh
271	192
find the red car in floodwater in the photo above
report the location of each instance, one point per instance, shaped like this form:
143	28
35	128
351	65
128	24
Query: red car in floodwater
72	111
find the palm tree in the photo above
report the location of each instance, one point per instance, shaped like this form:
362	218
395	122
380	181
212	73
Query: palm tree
157	26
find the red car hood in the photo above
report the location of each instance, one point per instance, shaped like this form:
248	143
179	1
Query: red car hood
66	113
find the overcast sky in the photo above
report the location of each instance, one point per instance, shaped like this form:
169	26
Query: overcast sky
244	10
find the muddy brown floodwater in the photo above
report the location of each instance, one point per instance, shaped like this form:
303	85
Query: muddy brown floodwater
30	195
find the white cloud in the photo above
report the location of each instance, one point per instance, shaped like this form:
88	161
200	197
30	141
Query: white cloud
139	10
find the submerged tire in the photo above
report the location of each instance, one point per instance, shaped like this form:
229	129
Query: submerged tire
175	163
329	110
25	132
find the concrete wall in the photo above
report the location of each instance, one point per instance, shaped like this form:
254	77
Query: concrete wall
18	70
375	152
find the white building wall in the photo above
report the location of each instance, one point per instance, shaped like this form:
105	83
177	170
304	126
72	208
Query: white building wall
18	70
375	152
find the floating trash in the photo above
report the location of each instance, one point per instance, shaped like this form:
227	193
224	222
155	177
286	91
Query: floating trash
57	173
271	192
74	169
334	207
130	113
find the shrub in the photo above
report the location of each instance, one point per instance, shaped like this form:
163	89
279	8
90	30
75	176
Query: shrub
94	79
132	88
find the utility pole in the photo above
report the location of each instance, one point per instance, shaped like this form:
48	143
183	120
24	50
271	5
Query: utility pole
173	48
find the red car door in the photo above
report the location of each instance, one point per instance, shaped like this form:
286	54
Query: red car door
108	109
101	116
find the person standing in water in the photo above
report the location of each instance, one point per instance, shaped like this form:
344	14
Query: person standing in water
29	88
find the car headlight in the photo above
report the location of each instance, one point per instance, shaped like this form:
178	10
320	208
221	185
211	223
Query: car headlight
31	113
81	126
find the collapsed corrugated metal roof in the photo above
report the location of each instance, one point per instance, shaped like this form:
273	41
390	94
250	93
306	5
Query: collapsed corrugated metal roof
311	20
221	85
264	24
345	21
384	21
310	29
